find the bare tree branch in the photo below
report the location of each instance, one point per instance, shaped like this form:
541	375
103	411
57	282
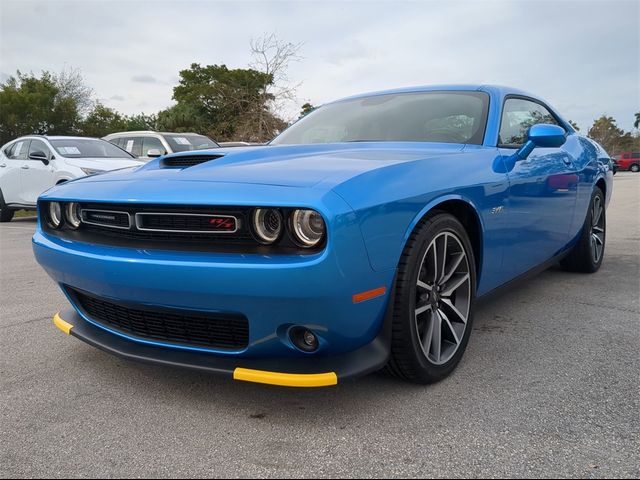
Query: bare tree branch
272	56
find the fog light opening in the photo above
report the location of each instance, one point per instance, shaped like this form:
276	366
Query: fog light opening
304	339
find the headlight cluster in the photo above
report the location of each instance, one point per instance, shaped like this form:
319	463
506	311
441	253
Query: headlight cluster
59	214
307	227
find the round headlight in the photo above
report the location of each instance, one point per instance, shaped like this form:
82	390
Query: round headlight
267	224
55	214
73	215
308	227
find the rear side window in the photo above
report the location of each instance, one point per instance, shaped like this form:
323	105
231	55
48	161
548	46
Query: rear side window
116	141
18	151
518	115
133	145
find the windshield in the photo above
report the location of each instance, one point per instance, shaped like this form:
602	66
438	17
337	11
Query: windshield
447	117
87	148
182	142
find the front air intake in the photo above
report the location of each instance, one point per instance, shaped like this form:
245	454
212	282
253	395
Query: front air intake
186	161
188	328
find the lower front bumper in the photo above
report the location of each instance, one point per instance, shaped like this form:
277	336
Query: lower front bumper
288	372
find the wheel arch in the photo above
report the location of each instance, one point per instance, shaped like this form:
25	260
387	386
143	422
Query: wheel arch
466	213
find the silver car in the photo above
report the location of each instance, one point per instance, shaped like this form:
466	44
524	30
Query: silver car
149	144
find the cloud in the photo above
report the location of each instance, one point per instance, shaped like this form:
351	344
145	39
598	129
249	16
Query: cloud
144	79
117	98
545	47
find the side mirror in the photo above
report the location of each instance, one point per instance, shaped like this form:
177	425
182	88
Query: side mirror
154	152
39	156
542	135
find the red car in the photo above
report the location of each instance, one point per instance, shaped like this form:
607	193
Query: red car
629	161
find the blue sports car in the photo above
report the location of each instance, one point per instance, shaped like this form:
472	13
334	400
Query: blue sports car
357	239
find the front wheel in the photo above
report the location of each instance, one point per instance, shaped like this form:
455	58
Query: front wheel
434	295
635	168
6	214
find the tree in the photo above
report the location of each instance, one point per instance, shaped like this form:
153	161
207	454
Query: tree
613	139
102	121
306	108
224	103
574	125
32	105
272	57
606	133
141	121
181	118
71	85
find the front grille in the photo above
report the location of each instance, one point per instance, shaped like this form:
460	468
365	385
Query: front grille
167	325
186	222
106	218
185	161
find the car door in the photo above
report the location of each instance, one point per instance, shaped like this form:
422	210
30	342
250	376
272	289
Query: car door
36	176
542	189
10	169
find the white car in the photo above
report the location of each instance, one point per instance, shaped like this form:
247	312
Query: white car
149	144
32	164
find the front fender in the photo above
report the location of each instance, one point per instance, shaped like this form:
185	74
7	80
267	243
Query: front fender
434	204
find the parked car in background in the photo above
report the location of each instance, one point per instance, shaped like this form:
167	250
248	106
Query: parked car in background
32	164
149	144
628	161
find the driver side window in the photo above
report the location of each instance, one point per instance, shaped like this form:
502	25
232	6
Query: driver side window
518	115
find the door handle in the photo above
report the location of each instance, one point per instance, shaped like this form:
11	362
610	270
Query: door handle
25	167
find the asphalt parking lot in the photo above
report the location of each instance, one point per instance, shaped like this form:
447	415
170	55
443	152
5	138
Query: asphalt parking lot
549	386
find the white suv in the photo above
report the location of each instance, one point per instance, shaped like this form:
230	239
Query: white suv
148	144
32	164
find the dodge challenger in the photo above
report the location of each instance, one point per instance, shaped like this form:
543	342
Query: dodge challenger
358	239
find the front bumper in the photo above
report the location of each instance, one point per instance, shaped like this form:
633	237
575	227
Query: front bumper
305	372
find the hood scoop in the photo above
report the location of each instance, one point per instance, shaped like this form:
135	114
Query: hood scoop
186	161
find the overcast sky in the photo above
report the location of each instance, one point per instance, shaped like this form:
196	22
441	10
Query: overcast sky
583	57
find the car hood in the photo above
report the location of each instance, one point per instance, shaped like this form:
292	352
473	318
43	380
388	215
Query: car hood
106	164
289	165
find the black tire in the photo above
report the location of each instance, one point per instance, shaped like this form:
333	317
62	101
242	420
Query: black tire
582	257
6	214
635	168
409	360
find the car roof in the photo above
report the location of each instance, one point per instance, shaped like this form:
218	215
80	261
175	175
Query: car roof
150	132
56	137
500	90
68	137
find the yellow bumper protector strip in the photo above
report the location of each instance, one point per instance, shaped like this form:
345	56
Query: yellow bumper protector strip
286	379
61	324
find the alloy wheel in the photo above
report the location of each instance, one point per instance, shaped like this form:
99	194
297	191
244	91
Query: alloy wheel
443	298
597	228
